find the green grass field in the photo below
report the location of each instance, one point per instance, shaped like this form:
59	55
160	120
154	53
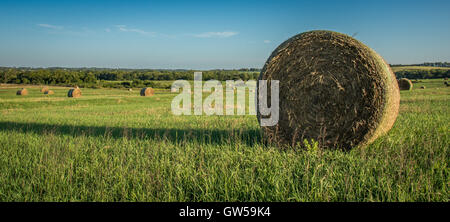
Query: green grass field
113	145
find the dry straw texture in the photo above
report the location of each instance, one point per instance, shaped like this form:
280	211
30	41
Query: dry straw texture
405	84
75	93
22	92
333	90
147	91
44	89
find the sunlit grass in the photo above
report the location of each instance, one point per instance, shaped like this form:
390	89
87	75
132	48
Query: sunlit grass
113	145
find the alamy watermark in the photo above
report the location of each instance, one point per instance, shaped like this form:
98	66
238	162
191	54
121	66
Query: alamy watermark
213	104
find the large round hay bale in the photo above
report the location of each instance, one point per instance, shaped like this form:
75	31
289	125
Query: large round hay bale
75	92
49	92
405	84
147	91
44	89
22	92
333	89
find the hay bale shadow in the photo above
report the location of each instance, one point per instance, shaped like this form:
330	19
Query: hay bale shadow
246	136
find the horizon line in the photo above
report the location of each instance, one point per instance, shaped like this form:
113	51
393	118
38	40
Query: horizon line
206	69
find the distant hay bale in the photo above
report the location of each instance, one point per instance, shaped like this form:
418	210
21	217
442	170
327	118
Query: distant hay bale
422	87
333	89
75	93
130	90
22	92
446	83
405	84
147	91
49	92
44	89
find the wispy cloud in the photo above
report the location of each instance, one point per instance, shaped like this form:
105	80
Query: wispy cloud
61	30
216	34
267	41
124	28
107	30
50	26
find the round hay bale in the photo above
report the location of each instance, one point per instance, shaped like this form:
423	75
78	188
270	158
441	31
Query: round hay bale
44	89
422	87
75	93
130	90
405	84
49	92
147	91
22	92
446	83
333	89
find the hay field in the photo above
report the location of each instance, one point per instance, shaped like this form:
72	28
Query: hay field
114	145
413	68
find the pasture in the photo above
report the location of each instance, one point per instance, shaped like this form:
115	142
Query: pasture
114	145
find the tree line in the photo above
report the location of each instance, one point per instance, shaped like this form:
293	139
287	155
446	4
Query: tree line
423	74
126	78
116	78
428	64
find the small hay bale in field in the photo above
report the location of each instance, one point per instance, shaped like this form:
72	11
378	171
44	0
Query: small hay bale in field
333	89
422	87
22	92
446	83
49	92
44	89
405	84
147	91
75	92
130	90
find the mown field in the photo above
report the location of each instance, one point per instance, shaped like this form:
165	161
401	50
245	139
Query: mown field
113	145
413	68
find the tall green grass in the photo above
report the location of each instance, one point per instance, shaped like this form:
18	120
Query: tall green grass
113	145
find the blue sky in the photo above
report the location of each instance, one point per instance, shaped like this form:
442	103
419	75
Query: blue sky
210	34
